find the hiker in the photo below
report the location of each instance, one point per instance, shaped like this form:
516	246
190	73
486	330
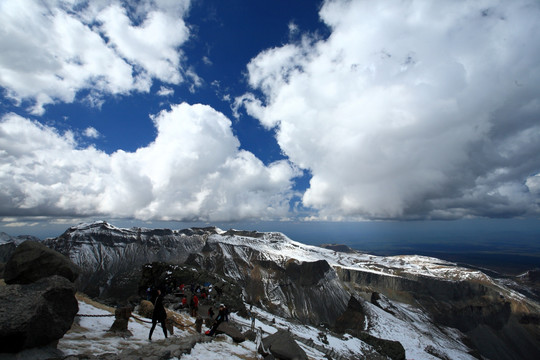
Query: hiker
211	312
159	314
252	316
226	312
184	301
194	305
219	319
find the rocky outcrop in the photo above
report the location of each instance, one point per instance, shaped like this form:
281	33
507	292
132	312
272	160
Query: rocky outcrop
309	291
479	309
282	346
32	261
36	314
390	348
353	319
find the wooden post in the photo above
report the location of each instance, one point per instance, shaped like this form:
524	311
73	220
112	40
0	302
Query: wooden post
198	324
121	320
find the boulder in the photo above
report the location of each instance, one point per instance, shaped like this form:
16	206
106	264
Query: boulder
250	335
146	309
32	261
282	346
37	314
232	331
390	348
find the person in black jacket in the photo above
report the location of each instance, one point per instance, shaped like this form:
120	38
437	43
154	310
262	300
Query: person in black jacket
159	314
219	319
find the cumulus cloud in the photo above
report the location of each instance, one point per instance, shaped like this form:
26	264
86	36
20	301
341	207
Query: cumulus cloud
193	170
410	109
91	132
51	50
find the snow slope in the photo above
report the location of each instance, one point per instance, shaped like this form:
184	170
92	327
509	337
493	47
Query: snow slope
90	337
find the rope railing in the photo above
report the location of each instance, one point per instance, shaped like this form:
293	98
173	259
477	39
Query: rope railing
259	342
141	320
137	318
181	325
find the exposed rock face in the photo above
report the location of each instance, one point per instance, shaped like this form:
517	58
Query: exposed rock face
353	319
32	261
36	314
309	291
476	308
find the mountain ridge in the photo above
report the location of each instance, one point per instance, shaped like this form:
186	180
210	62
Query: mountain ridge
313	284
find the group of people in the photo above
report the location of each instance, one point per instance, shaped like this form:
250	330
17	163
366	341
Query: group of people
160	315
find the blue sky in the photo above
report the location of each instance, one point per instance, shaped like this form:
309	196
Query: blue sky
283	111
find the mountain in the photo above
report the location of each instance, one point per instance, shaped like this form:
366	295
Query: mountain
111	258
447	306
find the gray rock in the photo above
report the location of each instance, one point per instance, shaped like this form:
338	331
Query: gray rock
32	261
250	335
40	353
232	331
164	349
282	346
37	314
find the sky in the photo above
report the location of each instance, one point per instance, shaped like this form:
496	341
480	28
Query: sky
284	111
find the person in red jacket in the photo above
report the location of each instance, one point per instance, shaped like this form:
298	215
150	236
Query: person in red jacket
194	305
184	302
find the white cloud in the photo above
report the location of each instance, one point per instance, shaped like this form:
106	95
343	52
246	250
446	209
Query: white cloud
293	28
51	50
206	60
91	132
193	170
412	109
165	91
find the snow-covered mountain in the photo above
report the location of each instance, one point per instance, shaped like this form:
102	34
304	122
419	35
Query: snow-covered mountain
111	258
432	299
